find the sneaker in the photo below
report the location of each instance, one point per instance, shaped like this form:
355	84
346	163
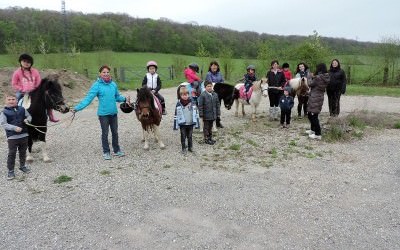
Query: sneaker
119	154
310	132
11	175
313	136
287	126
107	156
24	169
190	150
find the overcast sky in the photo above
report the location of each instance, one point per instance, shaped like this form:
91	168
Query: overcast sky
358	20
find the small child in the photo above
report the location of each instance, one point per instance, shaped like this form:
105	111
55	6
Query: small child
286	71
106	91
194	80
153	82
13	119
249	77
286	103
26	79
186	116
209	110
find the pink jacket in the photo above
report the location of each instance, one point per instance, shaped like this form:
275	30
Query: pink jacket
191	75
25	81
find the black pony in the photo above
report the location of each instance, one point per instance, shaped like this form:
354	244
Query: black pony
225	92
46	97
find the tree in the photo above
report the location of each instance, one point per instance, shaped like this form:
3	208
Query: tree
390	50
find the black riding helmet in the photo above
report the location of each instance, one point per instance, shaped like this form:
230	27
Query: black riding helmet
25	57
125	107
194	67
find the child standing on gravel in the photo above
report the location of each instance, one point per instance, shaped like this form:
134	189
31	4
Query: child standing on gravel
286	104
13	119
106	90
209	110
186	116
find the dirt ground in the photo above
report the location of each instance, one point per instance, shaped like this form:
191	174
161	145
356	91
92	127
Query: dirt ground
258	187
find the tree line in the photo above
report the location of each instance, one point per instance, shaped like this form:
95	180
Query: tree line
37	31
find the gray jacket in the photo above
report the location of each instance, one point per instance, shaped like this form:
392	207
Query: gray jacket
209	107
316	99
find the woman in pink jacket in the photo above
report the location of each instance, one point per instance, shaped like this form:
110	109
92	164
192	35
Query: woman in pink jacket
26	79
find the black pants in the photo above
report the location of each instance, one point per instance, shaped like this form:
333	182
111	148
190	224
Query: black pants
303	99
207	130
186	132
285	116
21	145
334	102
274	97
161	98
314	123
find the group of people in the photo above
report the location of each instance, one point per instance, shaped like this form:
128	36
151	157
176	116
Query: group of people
192	105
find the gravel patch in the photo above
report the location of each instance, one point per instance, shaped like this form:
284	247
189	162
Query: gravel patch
278	190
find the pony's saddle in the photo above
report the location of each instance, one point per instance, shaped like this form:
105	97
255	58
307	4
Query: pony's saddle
157	104
242	91
25	101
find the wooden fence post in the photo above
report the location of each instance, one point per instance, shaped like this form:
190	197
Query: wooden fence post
122	74
349	74
116	74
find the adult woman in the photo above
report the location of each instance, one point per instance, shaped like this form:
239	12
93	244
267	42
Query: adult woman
336	87
276	82
318	85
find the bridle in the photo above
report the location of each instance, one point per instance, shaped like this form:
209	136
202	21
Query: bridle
54	103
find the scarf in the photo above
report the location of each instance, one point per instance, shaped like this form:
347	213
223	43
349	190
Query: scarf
185	102
106	79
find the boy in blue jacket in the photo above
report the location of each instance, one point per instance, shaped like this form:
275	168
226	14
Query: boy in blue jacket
286	103
106	90
186	116
13	118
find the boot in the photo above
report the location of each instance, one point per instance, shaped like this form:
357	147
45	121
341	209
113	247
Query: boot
218	123
276	113
271	113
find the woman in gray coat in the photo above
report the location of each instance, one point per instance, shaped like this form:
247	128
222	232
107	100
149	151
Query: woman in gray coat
316	100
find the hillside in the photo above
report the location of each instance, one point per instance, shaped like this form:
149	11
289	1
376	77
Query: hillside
36	31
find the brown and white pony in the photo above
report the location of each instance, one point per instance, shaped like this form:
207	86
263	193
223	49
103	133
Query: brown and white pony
301	90
149	112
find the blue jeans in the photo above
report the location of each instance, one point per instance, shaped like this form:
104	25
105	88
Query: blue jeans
112	122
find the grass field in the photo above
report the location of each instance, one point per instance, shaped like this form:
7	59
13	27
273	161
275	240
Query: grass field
363	69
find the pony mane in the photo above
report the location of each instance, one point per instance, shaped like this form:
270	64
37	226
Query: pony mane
144	95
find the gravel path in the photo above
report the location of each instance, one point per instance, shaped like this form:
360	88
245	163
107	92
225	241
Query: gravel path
280	190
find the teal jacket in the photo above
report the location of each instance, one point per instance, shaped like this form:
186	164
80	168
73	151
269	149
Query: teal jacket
108	95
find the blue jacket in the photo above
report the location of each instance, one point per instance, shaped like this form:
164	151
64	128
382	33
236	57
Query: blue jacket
286	102
214	77
180	118
13	117
108	95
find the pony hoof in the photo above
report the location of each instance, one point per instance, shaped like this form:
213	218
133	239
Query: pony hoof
236	114
162	146
146	147
29	159
143	140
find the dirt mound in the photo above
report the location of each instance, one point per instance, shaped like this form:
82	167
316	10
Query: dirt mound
74	85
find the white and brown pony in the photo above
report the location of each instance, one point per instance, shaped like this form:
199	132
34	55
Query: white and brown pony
259	89
149	112
300	89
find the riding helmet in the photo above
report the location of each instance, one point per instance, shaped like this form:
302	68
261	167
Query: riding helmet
251	67
125	107
151	63
26	57
194	67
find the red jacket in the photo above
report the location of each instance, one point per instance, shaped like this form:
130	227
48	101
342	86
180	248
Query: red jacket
191	75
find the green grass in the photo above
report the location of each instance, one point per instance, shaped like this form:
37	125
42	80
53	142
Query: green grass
397	125
372	90
62	178
234	147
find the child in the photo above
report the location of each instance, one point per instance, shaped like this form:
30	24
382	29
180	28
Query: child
107	93
153	82
209	110
26	79
186	116
249	77
13	119
194	80
286	103
286	72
